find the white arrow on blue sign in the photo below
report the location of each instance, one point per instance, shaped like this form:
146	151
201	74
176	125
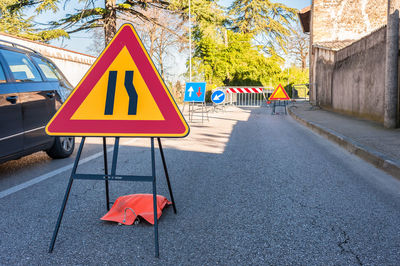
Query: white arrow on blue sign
195	92
218	96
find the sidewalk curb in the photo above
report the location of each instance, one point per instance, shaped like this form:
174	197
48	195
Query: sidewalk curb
374	157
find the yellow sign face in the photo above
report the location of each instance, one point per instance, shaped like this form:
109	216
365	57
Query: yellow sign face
279	94
122	94
94	105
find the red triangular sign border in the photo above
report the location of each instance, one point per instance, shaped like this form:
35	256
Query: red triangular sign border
272	97
174	124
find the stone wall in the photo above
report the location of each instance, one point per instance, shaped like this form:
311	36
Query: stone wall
73	64
352	80
336	20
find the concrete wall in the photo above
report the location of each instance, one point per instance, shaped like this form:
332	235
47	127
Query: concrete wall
343	20
352	80
73	64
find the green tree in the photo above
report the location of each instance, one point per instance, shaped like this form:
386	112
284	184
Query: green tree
92	14
234	62
13	21
291	76
269	22
226	57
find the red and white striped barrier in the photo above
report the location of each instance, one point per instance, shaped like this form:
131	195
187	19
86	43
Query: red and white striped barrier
244	90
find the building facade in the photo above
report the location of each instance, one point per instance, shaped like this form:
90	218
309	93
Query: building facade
348	56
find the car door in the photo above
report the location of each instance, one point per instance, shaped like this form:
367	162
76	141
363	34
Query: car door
54	77
36	96
11	128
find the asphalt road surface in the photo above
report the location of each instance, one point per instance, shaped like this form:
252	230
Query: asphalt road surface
250	188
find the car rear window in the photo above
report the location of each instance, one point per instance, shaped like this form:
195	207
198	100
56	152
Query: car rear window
21	66
47	68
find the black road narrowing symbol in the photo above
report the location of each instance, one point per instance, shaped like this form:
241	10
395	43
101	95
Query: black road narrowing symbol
130	88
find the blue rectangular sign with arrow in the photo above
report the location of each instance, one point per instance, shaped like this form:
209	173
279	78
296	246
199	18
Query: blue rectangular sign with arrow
195	92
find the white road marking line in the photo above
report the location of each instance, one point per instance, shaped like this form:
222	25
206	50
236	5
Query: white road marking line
41	178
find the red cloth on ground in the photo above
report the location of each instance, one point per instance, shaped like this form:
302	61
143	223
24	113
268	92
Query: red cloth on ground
127	208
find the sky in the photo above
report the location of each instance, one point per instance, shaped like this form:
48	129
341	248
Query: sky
82	41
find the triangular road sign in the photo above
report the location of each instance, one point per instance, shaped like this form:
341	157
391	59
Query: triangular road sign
279	94
122	94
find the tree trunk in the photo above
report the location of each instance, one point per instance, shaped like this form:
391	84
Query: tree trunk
152	33
110	20
161	49
303	61
162	67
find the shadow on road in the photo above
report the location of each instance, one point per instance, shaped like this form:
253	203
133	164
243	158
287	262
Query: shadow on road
271	195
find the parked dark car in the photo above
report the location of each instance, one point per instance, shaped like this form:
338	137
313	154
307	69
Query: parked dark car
32	88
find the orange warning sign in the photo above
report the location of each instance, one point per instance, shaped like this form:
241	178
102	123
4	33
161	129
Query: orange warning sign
279	94
122	94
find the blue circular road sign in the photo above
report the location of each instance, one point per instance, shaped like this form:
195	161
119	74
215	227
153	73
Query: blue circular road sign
218	96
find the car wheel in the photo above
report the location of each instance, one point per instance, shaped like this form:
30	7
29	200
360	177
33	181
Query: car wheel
62	147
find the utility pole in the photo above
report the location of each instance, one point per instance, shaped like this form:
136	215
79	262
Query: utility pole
392	67
190	47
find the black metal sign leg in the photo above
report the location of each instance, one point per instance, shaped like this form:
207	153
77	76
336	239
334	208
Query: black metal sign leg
191	112
153	169
273	110
286	103
190	118
71	179
166	174
115	157
106	173
202	112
